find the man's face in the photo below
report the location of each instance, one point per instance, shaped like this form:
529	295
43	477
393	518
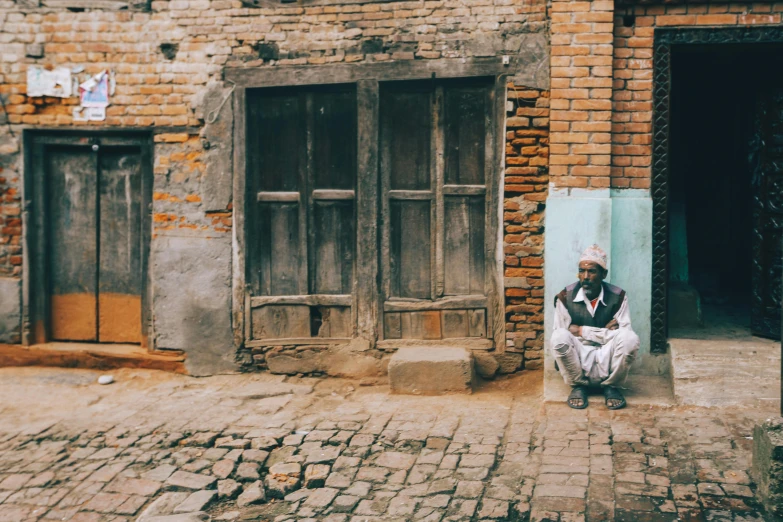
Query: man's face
590	277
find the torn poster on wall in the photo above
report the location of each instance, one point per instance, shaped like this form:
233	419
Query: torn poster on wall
94	97
42	82
62	82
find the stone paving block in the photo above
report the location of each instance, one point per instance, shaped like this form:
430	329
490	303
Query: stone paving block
316	475
469	489
345	503
184	479
196	501
552	490
203	439
253	494
255	455
160	473
376	507
131	486
248	471
105	502
321	498
181	517
164	504
132	505
359	489
228	489
15	482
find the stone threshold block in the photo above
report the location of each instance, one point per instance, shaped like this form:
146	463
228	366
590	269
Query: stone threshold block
767	467
431	370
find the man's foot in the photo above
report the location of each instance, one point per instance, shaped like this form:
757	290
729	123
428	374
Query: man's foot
614	399
578	398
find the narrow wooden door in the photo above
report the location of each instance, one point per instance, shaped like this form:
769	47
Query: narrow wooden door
767	160
301	180
436	145
94	261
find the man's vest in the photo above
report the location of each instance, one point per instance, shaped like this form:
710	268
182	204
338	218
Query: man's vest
613	297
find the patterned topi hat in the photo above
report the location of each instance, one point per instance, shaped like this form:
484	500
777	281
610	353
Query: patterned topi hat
594	254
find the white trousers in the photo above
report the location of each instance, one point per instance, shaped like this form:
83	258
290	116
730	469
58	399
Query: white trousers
611	363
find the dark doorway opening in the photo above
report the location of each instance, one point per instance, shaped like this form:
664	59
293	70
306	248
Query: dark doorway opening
724	237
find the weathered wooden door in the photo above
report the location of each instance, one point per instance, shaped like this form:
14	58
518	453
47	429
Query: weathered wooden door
301	178
91	239
436	145
767	166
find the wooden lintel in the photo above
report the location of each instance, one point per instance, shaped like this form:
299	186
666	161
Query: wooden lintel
277	76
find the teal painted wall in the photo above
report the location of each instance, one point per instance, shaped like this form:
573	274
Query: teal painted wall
620	222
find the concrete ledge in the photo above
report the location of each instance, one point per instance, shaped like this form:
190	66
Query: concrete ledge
91	356
431	371
767	467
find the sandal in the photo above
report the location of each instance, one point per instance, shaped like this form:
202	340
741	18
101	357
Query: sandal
578	393
612	393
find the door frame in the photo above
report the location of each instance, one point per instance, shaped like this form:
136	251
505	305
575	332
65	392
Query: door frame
35	285
367	306
664	40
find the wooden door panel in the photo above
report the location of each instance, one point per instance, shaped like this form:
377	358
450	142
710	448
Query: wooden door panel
407	130
119	297
333	236
464	245
410	249
465	135
334	140
73	243
278	322
275	136
279	250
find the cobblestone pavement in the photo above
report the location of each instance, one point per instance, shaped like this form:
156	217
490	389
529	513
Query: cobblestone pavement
159	447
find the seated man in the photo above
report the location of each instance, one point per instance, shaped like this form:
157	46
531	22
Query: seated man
593	342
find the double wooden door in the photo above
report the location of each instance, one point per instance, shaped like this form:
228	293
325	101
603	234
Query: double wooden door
421	232
90	238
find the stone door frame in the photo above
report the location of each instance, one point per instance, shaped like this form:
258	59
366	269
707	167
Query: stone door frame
664	40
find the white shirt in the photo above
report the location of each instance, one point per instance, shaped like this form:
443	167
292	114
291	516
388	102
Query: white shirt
595	362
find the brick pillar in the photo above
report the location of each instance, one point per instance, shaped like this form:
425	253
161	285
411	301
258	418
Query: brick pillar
580	121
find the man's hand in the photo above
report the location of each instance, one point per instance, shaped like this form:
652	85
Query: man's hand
612	325
575	330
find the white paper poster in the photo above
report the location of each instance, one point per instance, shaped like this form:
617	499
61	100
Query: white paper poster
56	83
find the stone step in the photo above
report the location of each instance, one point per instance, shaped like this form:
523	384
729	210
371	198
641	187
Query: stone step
92	356
431	370
726	372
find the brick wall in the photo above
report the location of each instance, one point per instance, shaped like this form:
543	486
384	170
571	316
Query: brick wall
161	85
10	208
526	181
632	75
581	91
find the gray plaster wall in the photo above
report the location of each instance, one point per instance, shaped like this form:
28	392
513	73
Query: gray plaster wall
10	310
191	300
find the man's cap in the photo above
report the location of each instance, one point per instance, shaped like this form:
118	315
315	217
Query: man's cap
594	254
